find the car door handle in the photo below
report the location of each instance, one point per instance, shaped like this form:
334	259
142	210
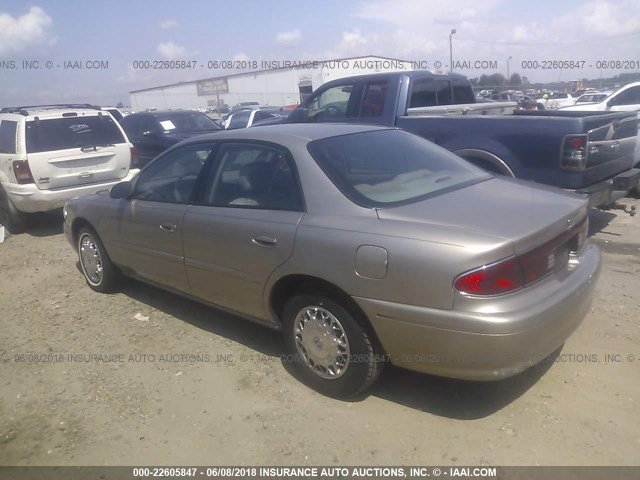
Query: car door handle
168	228
264	241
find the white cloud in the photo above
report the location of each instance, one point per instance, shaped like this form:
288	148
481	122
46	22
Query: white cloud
26	31
169	25
171	51
354	43
241	57
353	39
491	30
420	13
289	39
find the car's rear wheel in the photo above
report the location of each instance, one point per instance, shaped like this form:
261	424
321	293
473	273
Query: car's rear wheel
13	219
101	275
331	350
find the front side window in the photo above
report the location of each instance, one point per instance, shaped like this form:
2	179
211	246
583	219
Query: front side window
391	167
8	136
252	176
330	105
173	177
72	132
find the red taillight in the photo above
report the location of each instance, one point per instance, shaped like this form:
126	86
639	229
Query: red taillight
134	158
577	142
516	272
496	279
22	172
574	152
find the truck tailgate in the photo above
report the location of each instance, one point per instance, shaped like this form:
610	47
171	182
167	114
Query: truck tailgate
611	140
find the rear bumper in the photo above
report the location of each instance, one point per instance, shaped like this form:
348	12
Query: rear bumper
607	192
29	198
491	346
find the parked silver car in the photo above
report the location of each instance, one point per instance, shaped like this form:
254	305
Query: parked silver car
362	244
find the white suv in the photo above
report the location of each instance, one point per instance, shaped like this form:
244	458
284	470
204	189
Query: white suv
51	153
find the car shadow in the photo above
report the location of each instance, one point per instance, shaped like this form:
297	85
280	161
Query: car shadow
209	319
457	399
45	224
599	220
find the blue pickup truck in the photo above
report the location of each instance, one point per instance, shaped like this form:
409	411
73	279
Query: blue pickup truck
587	152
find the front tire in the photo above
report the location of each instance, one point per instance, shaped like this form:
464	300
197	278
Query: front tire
330	349
10	216
101	275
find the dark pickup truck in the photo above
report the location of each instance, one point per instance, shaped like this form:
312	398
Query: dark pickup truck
587	152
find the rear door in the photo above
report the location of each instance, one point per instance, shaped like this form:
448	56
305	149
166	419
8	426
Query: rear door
244	226
76	149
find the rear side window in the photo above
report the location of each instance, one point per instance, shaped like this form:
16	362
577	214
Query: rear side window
252	176
71	132
8	136
239	120
262	115
373	99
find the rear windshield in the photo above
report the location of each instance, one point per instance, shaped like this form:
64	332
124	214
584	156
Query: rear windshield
386	168
186	122
427	92
72	132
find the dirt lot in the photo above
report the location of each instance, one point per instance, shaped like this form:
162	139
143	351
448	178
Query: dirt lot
237	404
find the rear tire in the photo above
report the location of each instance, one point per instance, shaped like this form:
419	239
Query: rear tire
332	352
101	275
13	219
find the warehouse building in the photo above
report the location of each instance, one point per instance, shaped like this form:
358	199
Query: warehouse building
275	83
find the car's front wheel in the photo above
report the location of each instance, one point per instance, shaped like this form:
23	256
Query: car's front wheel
101	275
332	352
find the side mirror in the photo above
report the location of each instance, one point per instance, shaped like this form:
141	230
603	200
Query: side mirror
299	115
121	190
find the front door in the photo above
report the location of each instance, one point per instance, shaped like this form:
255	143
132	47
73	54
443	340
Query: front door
148	227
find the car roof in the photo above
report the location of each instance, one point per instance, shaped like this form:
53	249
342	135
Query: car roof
285	133
55	113
155	113
52	110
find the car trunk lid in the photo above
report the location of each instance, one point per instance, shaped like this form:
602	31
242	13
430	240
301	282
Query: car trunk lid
528	215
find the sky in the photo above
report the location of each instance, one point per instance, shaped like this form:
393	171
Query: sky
113	36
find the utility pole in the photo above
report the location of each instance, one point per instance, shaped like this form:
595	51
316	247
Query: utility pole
453	32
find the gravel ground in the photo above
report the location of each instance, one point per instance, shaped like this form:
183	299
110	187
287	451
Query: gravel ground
234	402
